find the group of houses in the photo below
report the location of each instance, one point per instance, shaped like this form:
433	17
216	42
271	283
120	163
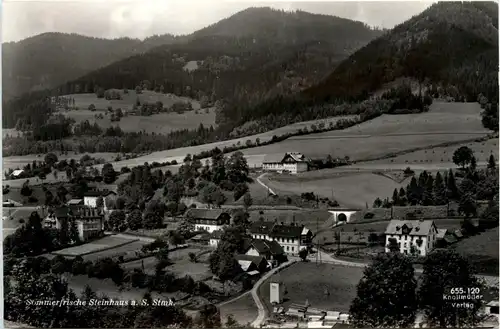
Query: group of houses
269	242
84	213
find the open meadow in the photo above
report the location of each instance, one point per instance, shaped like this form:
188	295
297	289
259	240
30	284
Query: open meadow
445	122
108	243
481	250
14	162
82	101
158	123
350	190
308	282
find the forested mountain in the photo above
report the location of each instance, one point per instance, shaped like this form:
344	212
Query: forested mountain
253	55
50	59
453	45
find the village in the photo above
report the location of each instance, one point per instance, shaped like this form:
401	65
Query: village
263	248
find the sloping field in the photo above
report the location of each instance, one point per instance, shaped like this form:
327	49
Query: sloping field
353	190
179	153
161	123
481	250
445	122
82	101
439	157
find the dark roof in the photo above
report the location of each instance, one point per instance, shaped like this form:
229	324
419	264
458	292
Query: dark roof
261	227
206	213
287	231
255	259
77	211
280	157
92	193
265	246
276	230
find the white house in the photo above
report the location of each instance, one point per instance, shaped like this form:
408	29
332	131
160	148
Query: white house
293	162
209	220
90	198
292	238
417	237
18	173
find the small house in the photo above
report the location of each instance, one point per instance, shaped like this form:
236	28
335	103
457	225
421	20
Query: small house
209	220
270	250
215	237
19	173
292	162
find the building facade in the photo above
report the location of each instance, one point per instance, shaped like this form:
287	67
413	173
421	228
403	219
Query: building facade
90	198
292	238
209	220
292	162
89	221
412	237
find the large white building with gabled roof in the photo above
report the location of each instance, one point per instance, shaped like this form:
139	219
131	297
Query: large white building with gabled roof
412	237
293	162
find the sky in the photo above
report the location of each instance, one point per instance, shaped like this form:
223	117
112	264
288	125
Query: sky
143	18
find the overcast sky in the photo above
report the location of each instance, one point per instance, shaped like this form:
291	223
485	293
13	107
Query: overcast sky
142	18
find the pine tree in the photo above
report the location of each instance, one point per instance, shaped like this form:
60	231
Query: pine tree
395	198
427	195
491	162
451	187
412	192
439	191
402	197
473	164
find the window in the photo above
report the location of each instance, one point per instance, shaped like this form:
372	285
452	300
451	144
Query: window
293	249
287	248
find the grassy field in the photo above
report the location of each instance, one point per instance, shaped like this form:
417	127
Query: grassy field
9	226
82	101
95	246
158	123
308	282
181	264
14	162
179	153
482	250
352	190
120	250
439	157
243	310
445	122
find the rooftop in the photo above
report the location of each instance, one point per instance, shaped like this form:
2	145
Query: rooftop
265	246
206	213
414	227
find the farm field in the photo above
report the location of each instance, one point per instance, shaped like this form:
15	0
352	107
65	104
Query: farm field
439	157
307	281
14	162
243	310
481	250
82	101
353	190
161	123
181	264
120	250
445	122
179	154
158	123
94	246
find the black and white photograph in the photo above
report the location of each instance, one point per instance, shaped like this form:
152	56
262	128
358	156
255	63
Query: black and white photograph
250	164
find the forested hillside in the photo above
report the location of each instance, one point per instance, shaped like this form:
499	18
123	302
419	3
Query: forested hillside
49	59
251	56
453	45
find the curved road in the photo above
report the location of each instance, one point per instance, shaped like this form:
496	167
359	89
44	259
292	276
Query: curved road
264	185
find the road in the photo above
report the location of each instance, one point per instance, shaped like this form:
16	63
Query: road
255	293
264	185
